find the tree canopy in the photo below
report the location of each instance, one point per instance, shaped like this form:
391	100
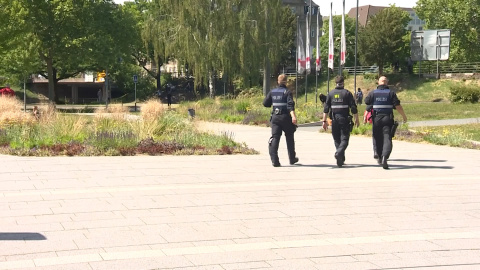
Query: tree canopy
66	36
381	40
462	17
230	37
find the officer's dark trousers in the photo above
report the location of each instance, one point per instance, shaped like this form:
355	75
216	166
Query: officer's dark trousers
382	125
340	133
282	122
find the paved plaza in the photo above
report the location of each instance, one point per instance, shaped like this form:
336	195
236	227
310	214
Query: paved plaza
238	212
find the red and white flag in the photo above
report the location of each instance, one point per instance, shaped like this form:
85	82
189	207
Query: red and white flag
343	44
330	40
318	61
307	45
300	53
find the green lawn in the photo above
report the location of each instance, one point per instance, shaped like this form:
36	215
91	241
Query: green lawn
468	132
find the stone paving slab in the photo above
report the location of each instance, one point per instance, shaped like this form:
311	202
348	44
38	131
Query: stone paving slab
239	212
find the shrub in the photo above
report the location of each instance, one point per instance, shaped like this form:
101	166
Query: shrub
464	94
11	112
152	110
370	76
242	106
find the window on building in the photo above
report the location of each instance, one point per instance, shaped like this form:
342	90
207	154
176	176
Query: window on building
409	28
294	10
420	28
312	33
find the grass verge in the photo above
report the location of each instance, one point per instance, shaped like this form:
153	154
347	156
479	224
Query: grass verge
108	133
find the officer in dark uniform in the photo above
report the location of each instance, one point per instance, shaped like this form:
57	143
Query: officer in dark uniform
283	119
383	101
338	105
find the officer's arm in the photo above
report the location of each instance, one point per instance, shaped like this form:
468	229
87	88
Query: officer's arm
326	109
353	108
398	107
267	101
369	99
291	107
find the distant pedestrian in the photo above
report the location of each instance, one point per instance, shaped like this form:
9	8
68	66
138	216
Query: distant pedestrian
359	96
36	113
99	95
170	89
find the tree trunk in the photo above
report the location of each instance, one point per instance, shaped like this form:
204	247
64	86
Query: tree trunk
266	76
211	85
51	80
55	86
158	79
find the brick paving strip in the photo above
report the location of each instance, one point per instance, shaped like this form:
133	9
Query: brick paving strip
238	212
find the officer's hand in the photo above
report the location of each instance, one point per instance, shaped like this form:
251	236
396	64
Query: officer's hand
325	125
294	120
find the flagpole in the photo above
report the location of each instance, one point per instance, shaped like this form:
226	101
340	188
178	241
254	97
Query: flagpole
355	66
296	65
316	61
330	47
342	43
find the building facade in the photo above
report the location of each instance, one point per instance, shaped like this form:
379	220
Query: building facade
365	12
300	8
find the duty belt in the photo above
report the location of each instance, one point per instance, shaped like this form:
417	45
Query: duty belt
339	106
383	106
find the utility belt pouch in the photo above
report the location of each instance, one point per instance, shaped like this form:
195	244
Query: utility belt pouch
394	129
277	111
350	122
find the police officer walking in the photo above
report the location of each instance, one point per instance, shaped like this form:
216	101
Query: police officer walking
338	105
383	101
283	119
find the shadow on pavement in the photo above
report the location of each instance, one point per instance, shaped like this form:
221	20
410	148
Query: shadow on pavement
418	160
403	167
21	236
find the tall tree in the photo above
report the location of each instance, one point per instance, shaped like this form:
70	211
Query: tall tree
71	36
219	36
462	17
381	40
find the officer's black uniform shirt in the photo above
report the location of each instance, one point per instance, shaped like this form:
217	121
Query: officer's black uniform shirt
268	101
392	96
342	100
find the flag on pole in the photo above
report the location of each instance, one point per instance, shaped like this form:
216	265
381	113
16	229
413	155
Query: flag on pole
307	45
343	50
300	52
318	61
330	40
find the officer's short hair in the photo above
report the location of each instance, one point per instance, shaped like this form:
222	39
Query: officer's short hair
383	80
282	79
339	79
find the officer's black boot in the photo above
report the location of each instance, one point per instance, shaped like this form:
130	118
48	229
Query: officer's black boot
384	163
273	151
295	160
340	160
379	160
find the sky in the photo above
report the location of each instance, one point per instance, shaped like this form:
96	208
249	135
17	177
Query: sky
338	5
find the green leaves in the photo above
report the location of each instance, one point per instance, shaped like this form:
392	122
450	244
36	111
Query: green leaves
381	40
462	17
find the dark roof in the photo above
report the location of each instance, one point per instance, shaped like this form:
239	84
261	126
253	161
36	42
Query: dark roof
364	12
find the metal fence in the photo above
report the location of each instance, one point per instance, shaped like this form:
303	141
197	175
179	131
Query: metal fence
424	67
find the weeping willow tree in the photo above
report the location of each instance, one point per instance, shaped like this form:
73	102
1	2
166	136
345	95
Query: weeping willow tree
217	37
